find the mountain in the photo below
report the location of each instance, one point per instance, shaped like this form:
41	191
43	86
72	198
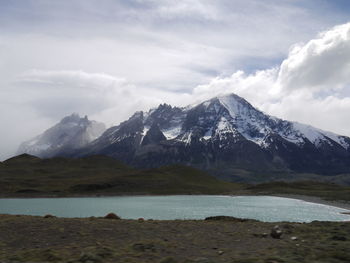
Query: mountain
71	133
225	135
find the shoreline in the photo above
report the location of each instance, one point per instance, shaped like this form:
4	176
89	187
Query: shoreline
316	200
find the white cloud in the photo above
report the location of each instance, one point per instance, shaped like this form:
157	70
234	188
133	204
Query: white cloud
292	91
258	88
149	52
321	64
57	93
310	86
54	94
329	113
169	9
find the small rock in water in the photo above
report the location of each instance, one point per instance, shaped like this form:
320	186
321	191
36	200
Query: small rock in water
220	252
111	216
294	238
276	232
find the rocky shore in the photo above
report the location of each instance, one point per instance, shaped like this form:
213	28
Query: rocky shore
220	239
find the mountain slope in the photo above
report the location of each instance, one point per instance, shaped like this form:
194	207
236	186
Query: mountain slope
71	133
222	134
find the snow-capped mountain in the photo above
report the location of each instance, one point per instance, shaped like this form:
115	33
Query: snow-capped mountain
71	133
223	134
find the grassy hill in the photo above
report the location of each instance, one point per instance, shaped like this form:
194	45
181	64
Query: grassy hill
27	176
31	176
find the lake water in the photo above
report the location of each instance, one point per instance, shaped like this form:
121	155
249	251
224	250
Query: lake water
264	208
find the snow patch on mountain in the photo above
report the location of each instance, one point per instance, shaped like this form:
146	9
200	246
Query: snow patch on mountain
309	132
208	134
248	121
224	126
144	132
186	138
343	142
318	136
172	132
231	104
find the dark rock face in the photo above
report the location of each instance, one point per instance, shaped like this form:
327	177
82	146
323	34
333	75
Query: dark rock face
153	135
222	135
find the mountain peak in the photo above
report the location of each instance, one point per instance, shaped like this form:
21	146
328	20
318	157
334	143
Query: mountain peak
73	118
164	106
70	133
229	95
234	103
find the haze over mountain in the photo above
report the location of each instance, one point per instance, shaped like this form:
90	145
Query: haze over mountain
222	134
72	132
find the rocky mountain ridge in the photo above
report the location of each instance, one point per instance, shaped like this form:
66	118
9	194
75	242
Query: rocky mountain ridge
224	135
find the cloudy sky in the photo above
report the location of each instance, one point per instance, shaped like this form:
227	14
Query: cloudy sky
109	58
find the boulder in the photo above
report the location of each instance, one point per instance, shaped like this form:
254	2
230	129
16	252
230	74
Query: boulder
111	216
49	216
276	232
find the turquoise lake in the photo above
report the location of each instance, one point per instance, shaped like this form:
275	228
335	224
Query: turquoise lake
264	208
